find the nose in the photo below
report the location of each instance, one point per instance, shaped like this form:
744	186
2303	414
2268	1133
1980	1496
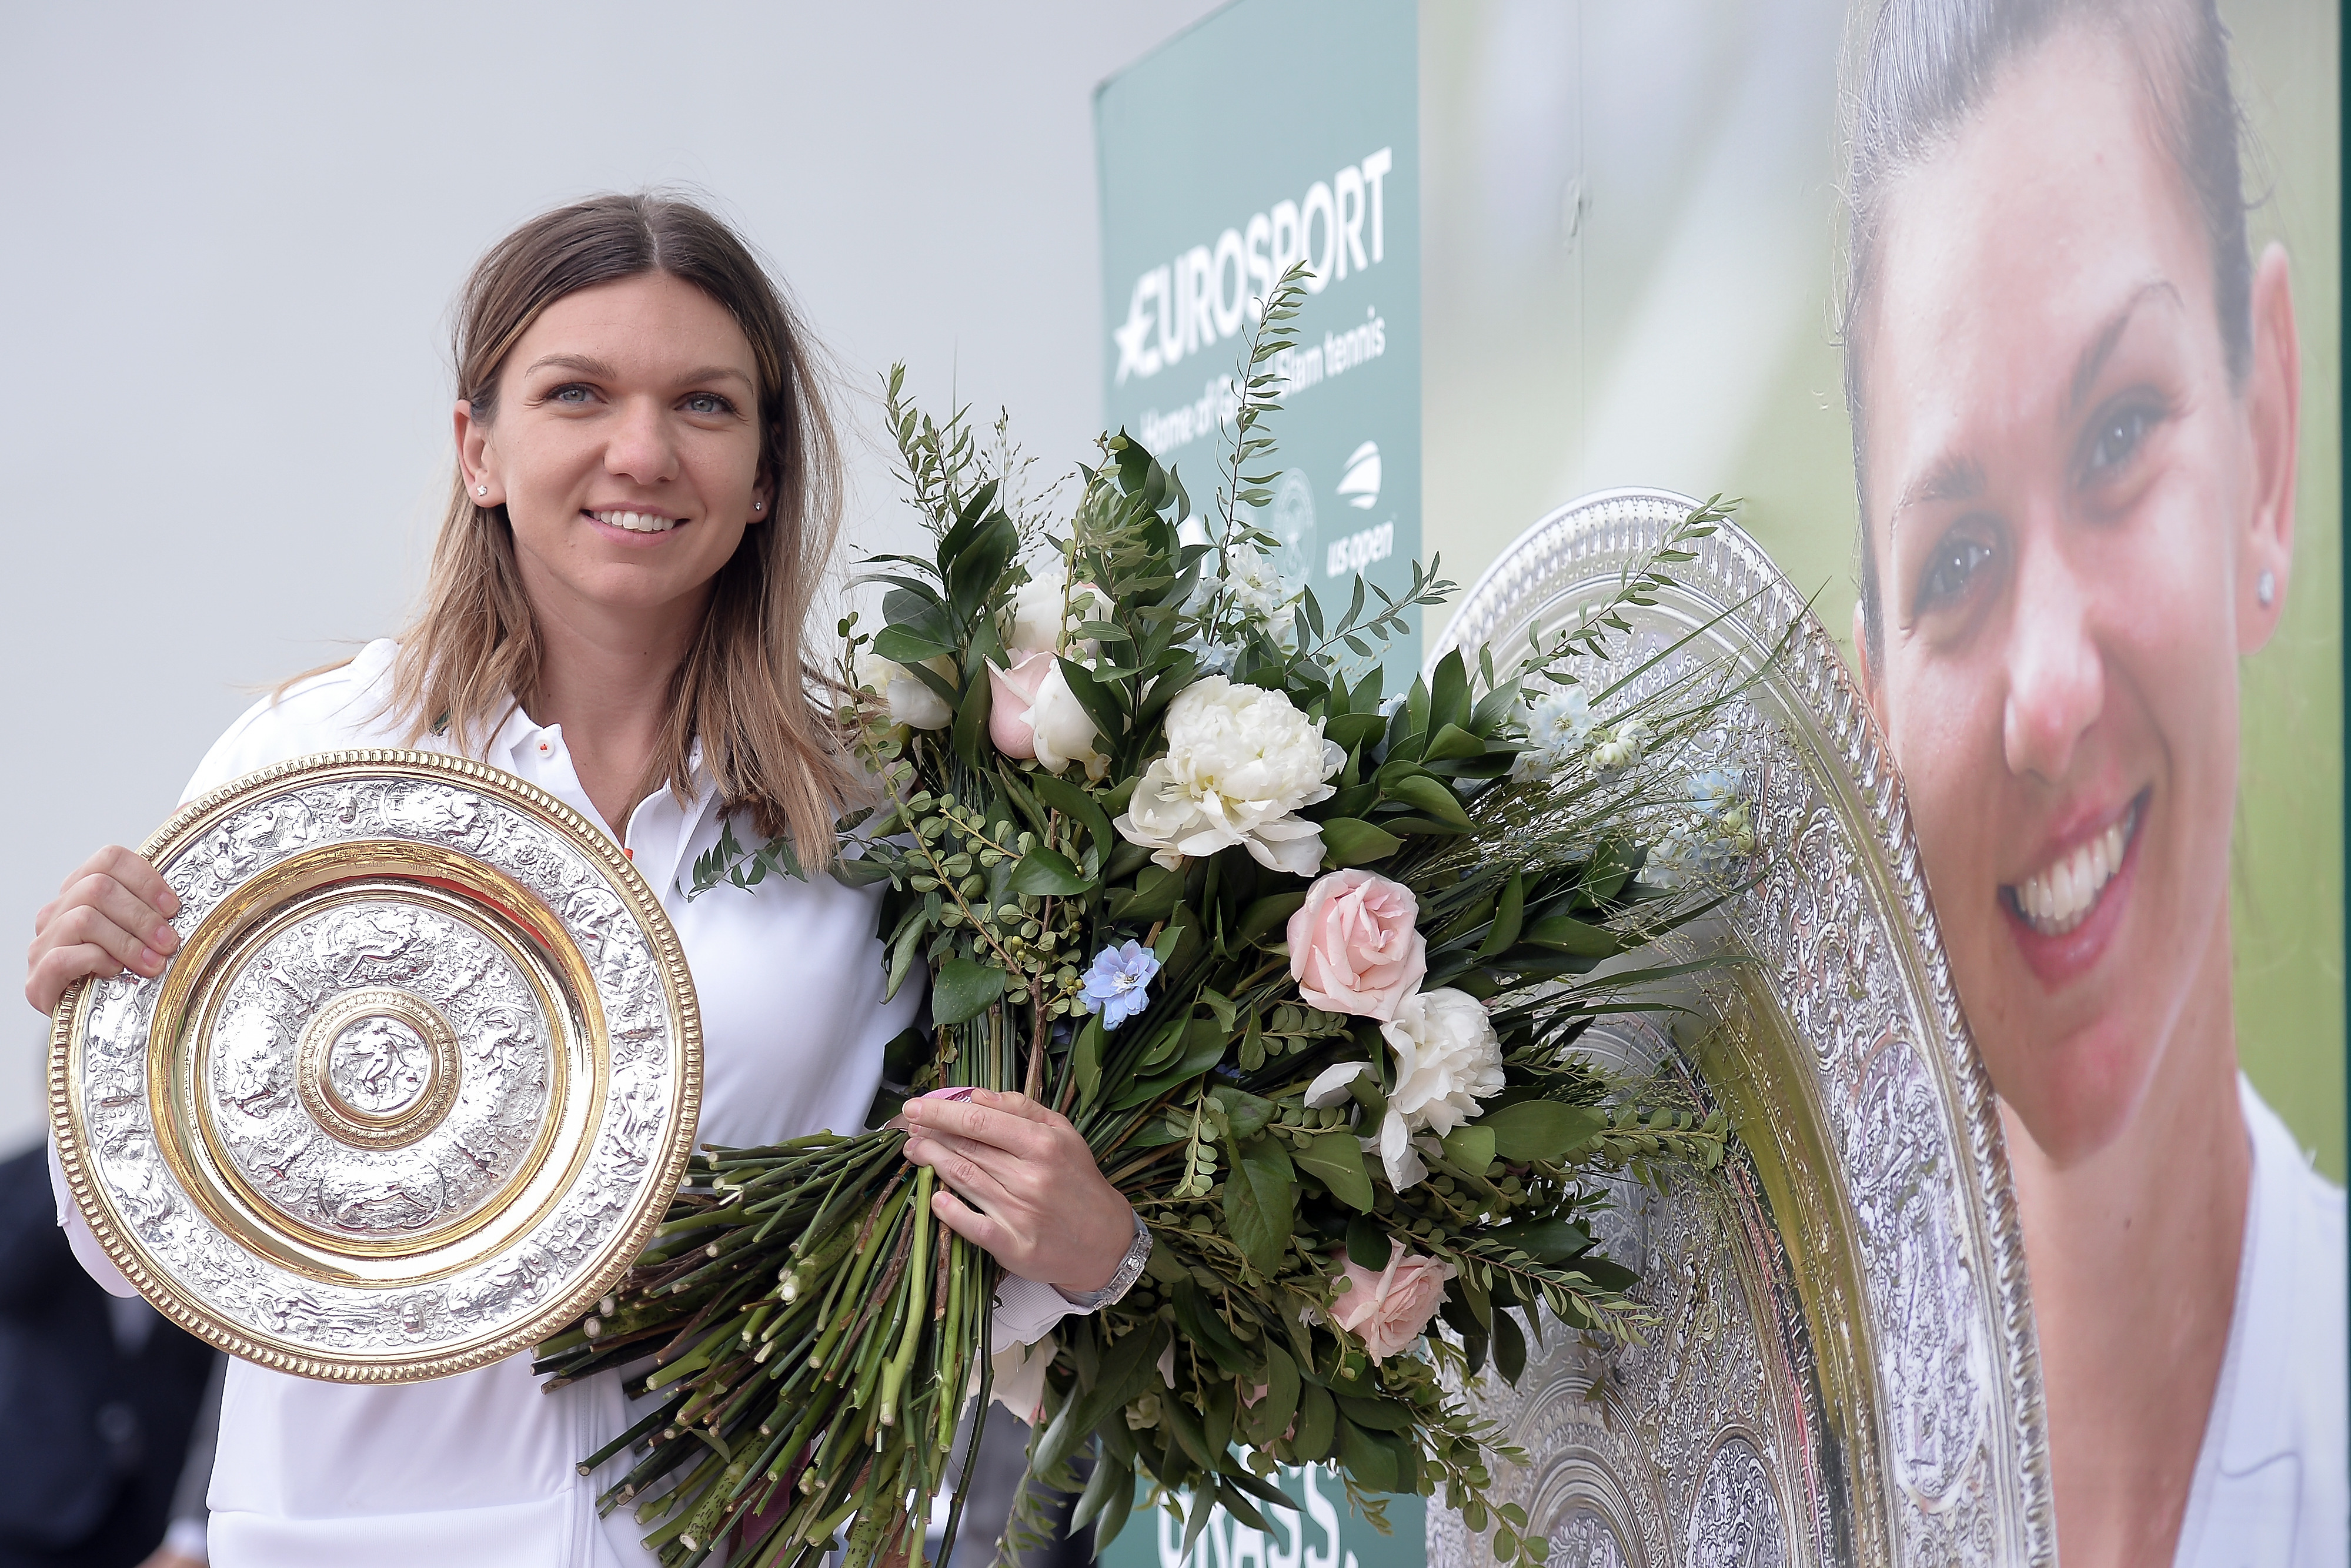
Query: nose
641	448
2056	676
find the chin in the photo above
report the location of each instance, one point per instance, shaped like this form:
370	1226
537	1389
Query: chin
2075	1094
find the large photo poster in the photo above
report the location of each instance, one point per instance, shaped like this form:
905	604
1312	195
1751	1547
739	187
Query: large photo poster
2015	329
2015	326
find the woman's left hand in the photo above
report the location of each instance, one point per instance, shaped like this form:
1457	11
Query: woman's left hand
1021	1183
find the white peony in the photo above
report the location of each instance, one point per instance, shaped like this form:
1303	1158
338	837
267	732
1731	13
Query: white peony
911	702
1240	762
1037	607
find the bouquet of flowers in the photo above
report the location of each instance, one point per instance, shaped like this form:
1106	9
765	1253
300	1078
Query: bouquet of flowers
1305	958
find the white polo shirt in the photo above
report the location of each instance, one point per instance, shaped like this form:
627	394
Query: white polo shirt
2271	1488
479	1468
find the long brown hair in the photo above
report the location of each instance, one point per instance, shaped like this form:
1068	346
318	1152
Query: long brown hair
744	688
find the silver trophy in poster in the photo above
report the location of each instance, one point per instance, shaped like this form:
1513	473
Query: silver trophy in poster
415	1088
1840	1366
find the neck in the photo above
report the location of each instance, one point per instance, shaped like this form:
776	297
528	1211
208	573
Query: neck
2135	1282
605	675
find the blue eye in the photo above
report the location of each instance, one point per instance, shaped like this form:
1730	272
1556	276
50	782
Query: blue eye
707	403
1958	559
2117	437
573	393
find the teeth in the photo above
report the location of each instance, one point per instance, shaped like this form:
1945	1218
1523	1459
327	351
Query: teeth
636	522
2059	897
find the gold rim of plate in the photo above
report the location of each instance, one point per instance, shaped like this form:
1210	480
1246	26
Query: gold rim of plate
522	945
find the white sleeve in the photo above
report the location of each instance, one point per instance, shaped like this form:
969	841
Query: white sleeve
86	1249
1026	1311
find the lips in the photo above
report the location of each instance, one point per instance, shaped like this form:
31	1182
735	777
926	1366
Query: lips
2058	898
636	522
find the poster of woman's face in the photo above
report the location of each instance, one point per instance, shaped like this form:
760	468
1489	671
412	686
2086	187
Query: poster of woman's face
2033	376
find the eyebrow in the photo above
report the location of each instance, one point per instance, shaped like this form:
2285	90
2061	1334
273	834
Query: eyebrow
1953	478
587	365
2101	346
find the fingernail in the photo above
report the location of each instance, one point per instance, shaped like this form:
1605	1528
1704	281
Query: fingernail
169	938
171	902
149	959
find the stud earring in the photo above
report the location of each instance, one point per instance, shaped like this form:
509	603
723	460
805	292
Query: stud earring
481	490
759	506
2265	587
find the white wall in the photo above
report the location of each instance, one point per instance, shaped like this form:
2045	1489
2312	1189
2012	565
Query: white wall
235	235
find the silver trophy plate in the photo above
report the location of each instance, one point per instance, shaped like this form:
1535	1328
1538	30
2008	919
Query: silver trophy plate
413	1091
1841	1368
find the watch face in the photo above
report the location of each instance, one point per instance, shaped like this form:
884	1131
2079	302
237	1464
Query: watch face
415	1087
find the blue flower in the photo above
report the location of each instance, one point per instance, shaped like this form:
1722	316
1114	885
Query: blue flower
1115	982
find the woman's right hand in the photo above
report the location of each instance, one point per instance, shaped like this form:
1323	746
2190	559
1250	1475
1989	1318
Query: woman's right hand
110	916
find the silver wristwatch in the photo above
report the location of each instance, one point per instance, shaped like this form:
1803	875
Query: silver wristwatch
1130	1270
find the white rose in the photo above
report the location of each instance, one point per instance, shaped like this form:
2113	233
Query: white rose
1241	761
1064	731
1038	622
911	702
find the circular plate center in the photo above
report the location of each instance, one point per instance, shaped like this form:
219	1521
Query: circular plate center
377	1068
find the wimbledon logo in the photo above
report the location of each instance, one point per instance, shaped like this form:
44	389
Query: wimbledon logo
1361	483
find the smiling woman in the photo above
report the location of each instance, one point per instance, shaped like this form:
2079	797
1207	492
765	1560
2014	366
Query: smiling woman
2074	399
644	503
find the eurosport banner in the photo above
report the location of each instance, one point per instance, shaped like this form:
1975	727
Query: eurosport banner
2050	293
1272	133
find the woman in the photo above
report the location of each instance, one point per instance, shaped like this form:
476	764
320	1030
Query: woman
2073	398
644	505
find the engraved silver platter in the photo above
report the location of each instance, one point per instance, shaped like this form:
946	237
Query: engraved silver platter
416	1087
1842	1368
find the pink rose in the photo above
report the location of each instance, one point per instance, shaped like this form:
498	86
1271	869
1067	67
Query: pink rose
1032	716
1353	948
1388	1309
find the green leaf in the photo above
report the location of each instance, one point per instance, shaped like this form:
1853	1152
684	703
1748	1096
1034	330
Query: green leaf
1096	699
1338	1160
1547	1241
1367	1244
1565	934
1350	730
1351	841
963	990
1318	1421
1080	806
1197	1319
1152	897
971	723
1372	1463
1510	1347
1453	741
1430	795
1110	1476
1449	693
1086	1061
909	647
1542	1130
1270	1418
1042	873
1260	1191
1509	913
1376	1414
1269	914
1470	1147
